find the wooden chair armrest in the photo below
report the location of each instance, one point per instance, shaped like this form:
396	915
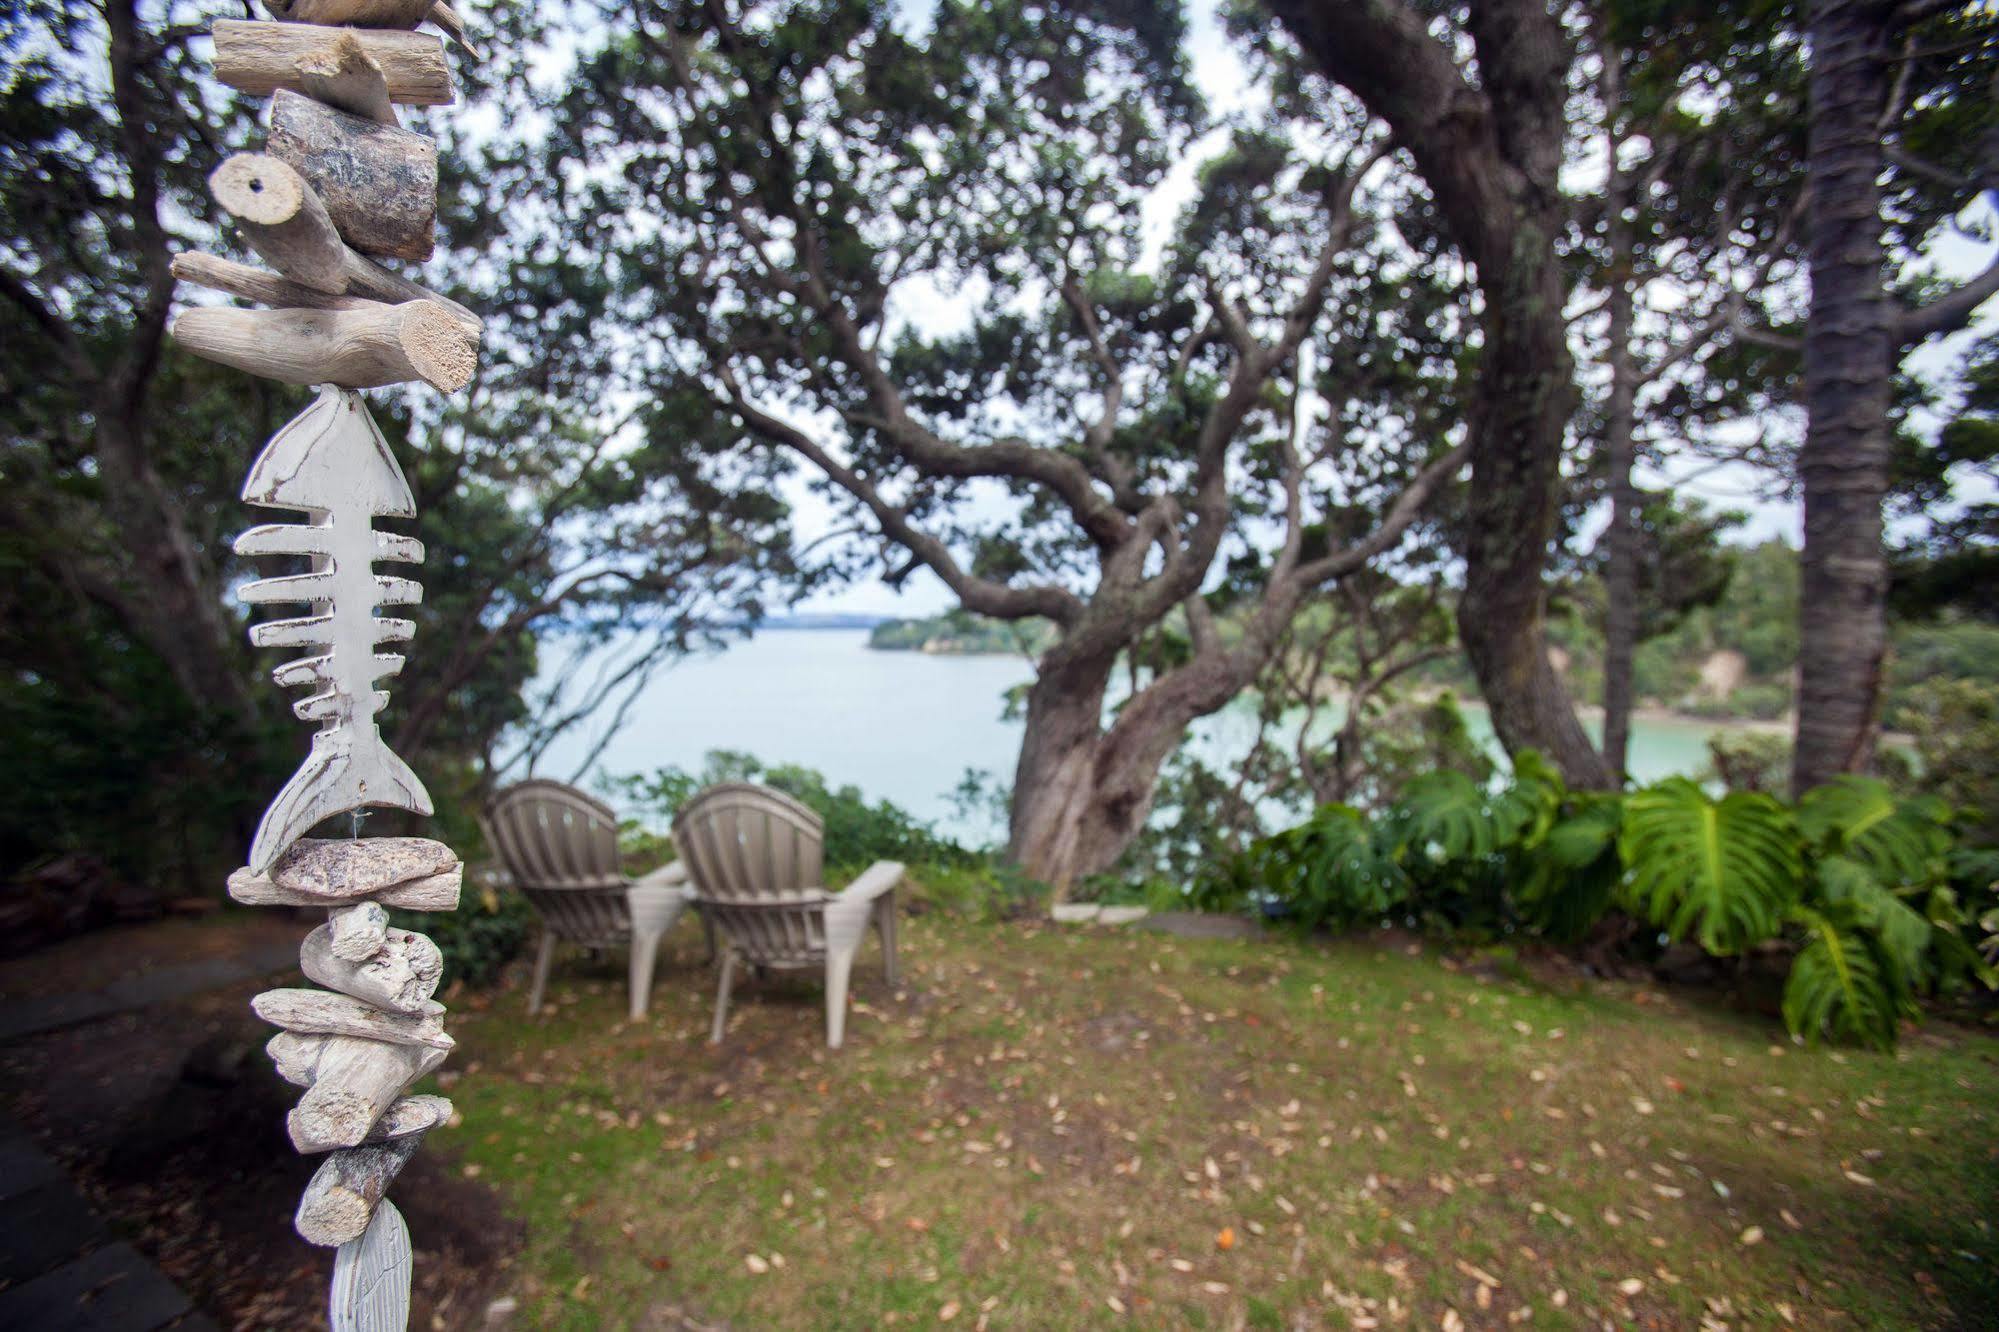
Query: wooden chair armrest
880	877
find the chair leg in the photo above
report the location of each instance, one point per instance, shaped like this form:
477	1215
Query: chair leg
885	927
645	954
708	933
544	958
839	971
722	997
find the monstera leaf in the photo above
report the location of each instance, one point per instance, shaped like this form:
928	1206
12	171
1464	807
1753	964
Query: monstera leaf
1446	816
1843	984
1333	869
1570	878
1902	930
1725	870
1903	843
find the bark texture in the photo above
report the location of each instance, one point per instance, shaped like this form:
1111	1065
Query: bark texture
1490	153
1850	346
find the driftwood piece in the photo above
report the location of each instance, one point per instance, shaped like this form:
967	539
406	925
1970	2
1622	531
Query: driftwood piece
350	1083
378	182
411	1114
334	870
283	219
260	58
438	892
259	284
360	348
453	25
413	873
340	1200
401	977
353	13
322	1013
347	78
358	932
371	1277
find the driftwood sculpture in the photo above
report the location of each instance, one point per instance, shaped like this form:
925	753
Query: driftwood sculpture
342	184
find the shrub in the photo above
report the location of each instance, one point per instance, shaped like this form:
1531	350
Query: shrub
1871	890
1955	725
489	930
1749	761
858	831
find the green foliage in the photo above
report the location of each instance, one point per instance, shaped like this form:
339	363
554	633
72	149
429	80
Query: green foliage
1842	982
1749	761
1871	891
962	632
1955	724
858	831
488	930
1724	870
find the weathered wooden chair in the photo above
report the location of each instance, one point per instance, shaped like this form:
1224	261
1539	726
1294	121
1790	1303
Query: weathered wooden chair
560	847
757	860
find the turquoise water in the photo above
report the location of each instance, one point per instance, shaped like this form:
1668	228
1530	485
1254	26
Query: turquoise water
905	726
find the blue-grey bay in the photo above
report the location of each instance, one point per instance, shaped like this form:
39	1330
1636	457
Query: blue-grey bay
905	726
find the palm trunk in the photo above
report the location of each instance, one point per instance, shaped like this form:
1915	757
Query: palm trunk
1849	347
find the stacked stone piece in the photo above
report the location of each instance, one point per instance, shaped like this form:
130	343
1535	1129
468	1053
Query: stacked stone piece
342	186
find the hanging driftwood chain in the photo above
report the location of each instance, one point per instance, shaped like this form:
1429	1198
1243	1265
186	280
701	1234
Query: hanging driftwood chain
342	184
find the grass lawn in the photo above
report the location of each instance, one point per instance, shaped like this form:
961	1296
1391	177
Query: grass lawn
1050	1128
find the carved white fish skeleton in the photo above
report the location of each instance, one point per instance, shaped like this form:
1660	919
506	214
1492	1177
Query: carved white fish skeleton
332	463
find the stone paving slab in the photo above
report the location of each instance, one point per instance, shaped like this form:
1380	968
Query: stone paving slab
110	1290
156	986
60	1270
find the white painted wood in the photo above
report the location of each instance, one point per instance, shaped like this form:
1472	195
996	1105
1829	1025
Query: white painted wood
324	1013
333	464
366	346
341	1197
358	932
371	1277
400	976
260	58
378	182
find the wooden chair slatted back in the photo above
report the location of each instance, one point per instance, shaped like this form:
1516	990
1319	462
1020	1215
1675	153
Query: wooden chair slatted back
748	844
560	846
757	860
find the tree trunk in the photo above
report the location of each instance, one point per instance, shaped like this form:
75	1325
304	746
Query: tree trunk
1491	153
1520	413
1058	831
174	600
1620	572
1082	792
1849	349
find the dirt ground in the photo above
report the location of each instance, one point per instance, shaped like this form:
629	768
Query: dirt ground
171	1123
